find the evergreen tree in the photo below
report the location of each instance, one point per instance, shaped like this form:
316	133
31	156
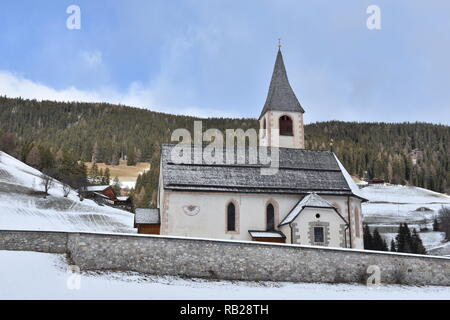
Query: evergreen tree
95	153
116	185
378	243
106	177
368	239
393	246
94	173
416	243
444	222
47	160
131	158
385	246
435	224
404	239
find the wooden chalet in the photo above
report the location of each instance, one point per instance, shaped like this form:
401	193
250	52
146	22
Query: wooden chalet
124	203
147	221
100	194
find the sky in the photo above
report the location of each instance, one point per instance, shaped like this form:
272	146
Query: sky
214	58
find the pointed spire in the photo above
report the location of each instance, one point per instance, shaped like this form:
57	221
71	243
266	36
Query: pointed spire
281	97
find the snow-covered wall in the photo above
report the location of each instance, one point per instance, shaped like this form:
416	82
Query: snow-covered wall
231	260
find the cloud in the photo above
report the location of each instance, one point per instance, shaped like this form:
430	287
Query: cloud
137	95
92	59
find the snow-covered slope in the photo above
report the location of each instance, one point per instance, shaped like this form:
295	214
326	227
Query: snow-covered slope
23	207
402	202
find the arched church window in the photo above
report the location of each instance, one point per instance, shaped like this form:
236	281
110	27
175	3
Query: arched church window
270	217
286	126
231	217
264	127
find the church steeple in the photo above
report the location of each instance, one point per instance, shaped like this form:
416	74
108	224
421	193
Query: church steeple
281	97
281	119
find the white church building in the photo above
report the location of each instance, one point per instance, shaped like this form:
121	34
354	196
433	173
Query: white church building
311	200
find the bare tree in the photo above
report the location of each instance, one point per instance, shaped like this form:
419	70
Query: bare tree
47	183
81	190
66	189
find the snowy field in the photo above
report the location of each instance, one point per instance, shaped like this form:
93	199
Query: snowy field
390	205
23	207
32	275
401	202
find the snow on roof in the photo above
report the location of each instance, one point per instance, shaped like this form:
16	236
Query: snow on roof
266	234
96	188
311	200
101	195
351	184
123	198
147	216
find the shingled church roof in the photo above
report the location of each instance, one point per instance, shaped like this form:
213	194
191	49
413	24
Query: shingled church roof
300	172
281	97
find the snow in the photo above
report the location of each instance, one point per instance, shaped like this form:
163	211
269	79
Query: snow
128	184
395	203
23	207
403	194
348	178
97	188
443	250
389	205
264	234
32	275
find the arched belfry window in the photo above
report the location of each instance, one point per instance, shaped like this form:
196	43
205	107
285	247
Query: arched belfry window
231	217
270	217
286	126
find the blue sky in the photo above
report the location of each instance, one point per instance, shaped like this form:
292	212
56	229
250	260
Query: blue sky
215	58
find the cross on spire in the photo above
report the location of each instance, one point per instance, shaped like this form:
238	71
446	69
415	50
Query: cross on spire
279	43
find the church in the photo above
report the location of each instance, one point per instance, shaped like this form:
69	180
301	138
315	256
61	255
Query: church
311	200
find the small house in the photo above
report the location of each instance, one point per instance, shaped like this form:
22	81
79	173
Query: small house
147	221
100	194
124	203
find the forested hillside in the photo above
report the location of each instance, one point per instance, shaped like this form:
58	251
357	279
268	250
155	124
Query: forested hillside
106	133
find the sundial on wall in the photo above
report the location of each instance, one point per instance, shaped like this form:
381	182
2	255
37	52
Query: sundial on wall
191	210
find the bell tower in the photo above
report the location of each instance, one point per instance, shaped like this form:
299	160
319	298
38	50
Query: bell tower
281	120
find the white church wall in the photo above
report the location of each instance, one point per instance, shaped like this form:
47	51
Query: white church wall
328	219
342	204
210	221
357	226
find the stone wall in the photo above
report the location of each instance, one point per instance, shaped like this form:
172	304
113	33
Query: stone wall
51	242
230	260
